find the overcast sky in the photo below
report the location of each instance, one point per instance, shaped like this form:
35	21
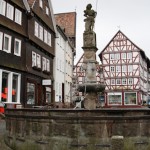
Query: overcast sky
132	17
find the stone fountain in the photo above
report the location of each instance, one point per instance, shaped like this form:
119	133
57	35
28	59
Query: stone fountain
90	86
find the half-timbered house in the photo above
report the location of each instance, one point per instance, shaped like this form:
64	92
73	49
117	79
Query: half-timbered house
125	71
27	35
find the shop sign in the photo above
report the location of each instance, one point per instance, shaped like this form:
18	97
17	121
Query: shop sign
46	82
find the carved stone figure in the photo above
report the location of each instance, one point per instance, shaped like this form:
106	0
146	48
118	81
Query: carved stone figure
90	18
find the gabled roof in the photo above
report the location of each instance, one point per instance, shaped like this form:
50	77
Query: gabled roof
141	51
29	4
67	21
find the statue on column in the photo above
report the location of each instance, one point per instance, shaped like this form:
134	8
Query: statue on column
90	15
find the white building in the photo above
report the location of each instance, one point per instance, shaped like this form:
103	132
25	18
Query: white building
63	66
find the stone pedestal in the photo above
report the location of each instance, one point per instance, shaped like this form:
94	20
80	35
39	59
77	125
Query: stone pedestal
90	86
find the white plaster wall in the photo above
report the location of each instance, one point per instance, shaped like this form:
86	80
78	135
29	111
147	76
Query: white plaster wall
59	61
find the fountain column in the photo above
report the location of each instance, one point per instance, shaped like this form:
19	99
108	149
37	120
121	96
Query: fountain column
90	86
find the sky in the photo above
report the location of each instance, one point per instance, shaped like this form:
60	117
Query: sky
132	17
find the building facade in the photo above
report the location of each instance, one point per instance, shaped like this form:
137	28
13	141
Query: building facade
27	43
125	71
65	52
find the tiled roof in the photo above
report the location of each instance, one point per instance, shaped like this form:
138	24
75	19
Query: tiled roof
67	21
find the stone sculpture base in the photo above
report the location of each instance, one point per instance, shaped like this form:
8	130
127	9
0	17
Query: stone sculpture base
90	101
90	90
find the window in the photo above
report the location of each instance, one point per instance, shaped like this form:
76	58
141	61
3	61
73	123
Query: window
118	81
7	43
48	94
112	56
47	11
49	39
1	40
10	87
41	32
41	3
33	59
2	7
43	63
36	26
45	36
15	87
124	81
129	55
130	68
124	68
18	16
30	93
5	82
123	55
48	65
118	68
115	98
38	60
112	81
10	11
130	81
130	98
17	47
117	56
112	69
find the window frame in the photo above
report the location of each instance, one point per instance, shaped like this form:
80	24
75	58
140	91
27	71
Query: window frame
10	14
38	61
124	81
123	55
47	10
48	65
33	58
117	56
114	94
36	29
112	81
112	70
10	86
1	40
19	50
18	16
2	7
125	98
112	56
41	3
129	55
9	43
44	64
49	40
124	68
129	81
